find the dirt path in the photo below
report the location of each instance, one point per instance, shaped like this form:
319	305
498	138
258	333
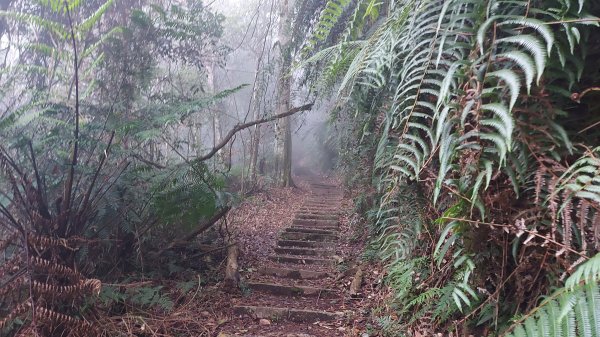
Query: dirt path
296	291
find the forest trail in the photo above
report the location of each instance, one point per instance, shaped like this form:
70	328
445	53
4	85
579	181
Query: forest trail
294	293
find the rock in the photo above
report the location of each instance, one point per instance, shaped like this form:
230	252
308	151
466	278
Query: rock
264	322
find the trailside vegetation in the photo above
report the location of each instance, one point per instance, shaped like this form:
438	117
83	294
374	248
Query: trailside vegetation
488	113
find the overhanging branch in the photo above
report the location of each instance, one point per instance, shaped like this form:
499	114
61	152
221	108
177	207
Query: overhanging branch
240	127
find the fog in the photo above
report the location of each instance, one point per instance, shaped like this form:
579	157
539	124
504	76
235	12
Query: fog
251	33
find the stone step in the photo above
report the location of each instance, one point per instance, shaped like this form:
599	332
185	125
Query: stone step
308	237
289	314
311	230
304	251
316	216
302	260
311	222
284	290
296	274
304	243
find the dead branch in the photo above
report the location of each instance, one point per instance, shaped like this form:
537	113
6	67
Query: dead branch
148	162
197	231
240	127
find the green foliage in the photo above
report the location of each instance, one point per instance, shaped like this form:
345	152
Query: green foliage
144	297
103	209
474	105
328	18
572	311
151	296
187	195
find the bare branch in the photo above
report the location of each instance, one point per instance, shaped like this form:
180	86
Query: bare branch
199	230
240	127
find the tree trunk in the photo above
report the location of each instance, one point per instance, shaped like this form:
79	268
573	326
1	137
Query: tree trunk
356	283
223	157
254	145
255	141
232	275
283	132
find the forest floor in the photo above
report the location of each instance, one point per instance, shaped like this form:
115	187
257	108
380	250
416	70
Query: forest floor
259	224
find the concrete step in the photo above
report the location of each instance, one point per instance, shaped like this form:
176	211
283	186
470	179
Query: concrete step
321	207
296	274
289	314
302	260
304	243
308	237
317	216
325	228
304	251
312	222
322	202
319	211
284	290
311	230
326	188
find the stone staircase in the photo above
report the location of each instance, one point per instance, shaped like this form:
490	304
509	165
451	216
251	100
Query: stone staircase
295	284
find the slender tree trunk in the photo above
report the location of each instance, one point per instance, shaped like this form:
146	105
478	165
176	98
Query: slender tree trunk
223	157
255	141
283	132
254	145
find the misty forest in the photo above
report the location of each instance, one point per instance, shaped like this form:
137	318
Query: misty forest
300	168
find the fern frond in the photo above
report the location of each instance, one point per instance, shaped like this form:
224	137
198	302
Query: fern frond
533	45
91	21
572	311
524	61
587	272
512	80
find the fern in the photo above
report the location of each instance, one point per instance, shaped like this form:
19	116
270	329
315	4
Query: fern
327	20
473	96
572	311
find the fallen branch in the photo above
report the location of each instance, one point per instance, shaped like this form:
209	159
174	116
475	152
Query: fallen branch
197	231
240	127
208	224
